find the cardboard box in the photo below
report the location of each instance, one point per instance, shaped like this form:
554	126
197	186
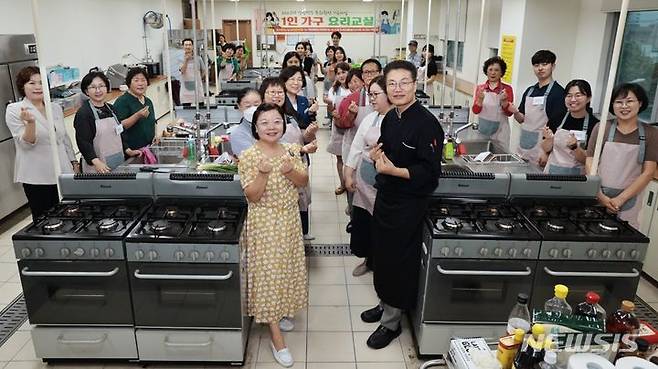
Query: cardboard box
187	23
472	353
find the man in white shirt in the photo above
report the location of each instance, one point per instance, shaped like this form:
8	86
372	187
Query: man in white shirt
413	56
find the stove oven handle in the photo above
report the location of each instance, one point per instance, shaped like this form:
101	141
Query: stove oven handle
635	273
97	341
527	271
185	277
167	342
26	272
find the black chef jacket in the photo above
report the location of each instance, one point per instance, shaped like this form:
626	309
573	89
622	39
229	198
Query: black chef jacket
413	140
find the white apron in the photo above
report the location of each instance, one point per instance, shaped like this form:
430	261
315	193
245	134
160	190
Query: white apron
335	144
493	124
187	87
365	194
620	165
562	160
294	135
364	110
533	126
107	142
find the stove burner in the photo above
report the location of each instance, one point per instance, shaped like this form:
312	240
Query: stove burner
539	212
555	226
72	211
107	224
444	211
159	226
216	226
53	224
505	225
589	213
452	223
608	226
171	212
493	211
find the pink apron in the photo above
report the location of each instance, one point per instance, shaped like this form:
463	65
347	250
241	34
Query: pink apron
562	159
533	126
493	124
364	110
107	142
187	86
335	145
620	165
294	135
365	194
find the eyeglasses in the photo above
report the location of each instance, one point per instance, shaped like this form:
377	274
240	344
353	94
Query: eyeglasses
97	88
275	93
404	84
374	95
575	96
621	103
369	72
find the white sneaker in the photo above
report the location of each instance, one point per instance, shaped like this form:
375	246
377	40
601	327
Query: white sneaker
286	324
308	237
283	356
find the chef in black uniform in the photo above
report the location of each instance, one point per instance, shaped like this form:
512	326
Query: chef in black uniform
408	164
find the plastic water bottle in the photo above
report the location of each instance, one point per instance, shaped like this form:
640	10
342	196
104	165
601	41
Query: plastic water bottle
550	360
558	304
519	317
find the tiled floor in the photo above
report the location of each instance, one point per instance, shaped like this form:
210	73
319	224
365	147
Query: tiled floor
328	334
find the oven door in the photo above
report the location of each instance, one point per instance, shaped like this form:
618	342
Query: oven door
475	291
76	292
613	281
186	295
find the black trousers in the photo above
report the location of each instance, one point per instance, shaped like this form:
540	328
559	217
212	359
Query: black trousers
304	216
40	198
361	235
175	91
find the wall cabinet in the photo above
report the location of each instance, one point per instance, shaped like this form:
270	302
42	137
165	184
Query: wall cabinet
649	226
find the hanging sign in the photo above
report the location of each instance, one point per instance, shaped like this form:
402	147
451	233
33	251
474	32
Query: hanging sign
322	20
507	49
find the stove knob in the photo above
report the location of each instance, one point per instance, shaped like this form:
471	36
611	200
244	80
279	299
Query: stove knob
25	252
64	252
459	251
484	251
445	251
95	252
606	254
527	252
511	253
179	255
566	253
634	254
225	255
109	252
139	254
210	256
194	255
498	251
153	254
620	254
553	253
591	253
38	252
79	252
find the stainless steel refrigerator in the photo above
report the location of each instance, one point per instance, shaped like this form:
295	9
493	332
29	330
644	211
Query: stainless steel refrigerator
16	52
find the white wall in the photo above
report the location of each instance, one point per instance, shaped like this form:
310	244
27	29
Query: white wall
358	46
88	33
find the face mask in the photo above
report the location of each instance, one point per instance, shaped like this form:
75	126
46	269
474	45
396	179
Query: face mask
248	114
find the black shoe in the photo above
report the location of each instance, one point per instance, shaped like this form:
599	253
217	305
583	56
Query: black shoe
382	337
348	228
372	315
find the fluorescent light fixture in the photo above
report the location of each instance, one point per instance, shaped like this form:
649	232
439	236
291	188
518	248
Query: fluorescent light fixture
367	1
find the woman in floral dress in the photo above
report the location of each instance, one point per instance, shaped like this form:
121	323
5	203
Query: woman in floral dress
270	173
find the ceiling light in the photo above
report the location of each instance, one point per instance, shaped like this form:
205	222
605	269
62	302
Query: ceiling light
367	1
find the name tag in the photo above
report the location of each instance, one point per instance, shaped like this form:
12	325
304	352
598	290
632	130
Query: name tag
539	100
580	135
118	129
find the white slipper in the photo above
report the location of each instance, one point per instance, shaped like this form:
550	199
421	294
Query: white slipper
283	356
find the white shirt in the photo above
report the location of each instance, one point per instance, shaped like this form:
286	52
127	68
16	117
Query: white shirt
34	163
359	142
342	92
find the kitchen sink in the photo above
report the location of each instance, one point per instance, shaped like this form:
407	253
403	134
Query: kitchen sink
476	147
